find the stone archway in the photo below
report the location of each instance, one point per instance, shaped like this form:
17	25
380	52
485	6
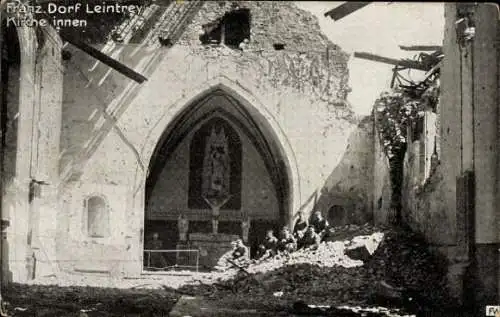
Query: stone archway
250	121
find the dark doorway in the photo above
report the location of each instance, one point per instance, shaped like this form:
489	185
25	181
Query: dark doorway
337	215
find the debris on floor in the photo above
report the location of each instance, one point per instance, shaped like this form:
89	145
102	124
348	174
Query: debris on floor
360	270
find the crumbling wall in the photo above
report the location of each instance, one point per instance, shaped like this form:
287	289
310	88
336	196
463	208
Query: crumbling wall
309	64
382	186
350	185
424	207
443	209
32	151
271	23
111	126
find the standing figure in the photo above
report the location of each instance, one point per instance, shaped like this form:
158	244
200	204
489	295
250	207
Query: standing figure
156	259
183	225
245	228
216	168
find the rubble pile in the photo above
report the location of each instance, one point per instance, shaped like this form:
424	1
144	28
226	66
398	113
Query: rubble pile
330	253
360	267
403	259
400	272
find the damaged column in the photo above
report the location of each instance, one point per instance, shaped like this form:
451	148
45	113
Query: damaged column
45	174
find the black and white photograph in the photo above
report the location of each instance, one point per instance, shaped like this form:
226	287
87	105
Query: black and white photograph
188	158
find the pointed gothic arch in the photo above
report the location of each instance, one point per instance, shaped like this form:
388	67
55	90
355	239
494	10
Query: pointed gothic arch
248	120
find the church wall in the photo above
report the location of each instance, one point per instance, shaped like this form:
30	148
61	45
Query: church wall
350	185
484	97
304	67
423	206
382	186
299	93
32	152
461	220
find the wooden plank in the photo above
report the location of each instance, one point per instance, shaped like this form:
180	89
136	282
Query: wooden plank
391	61
345	9
105	59
423	48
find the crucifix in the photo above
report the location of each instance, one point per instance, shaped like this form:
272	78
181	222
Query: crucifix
216	205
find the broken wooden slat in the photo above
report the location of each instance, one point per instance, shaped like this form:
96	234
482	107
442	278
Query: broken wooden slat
345	9
433	70
422	48
392	61
105	59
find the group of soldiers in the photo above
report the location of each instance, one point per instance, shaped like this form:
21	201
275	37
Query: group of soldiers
305	235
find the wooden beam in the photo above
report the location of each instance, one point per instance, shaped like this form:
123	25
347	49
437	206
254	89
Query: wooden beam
423	48
345	9
105	59
391	61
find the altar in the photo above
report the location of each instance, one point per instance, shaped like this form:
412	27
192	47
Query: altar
211	247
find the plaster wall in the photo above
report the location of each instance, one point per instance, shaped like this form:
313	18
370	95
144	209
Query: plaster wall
382	187
32	151
111	125
351	183
468	139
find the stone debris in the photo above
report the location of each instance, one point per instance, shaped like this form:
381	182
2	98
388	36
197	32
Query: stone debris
328	254
398	273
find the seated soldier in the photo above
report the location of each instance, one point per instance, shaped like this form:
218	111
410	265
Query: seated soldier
286	242
263	253
300	226
310	240
320	224
240	250
270	241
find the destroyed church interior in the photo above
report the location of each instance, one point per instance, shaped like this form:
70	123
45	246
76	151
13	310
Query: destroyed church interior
155	143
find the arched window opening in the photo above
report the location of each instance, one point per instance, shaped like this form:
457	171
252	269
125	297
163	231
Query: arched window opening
97	217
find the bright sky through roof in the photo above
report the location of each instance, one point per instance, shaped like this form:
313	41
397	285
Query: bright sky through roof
379	28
